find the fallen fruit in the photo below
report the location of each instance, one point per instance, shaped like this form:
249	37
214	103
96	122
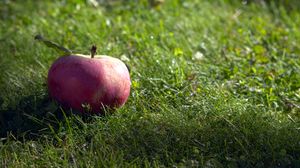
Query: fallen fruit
89	83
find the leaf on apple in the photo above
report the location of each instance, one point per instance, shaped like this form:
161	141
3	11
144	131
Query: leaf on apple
53	45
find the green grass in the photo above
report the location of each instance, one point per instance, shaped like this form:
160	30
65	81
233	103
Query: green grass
214	84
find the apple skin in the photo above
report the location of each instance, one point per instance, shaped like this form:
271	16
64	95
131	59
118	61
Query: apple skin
75	80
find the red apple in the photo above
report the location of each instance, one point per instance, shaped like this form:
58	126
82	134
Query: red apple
76	80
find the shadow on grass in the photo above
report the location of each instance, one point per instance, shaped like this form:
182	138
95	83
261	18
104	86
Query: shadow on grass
33	116
29	117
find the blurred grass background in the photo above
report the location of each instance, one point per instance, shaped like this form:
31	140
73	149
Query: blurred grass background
214	84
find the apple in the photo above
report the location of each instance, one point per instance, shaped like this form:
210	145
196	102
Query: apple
95	81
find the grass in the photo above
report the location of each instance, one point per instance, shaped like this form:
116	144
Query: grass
214	84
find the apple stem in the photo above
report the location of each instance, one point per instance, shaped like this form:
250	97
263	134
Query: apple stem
93	51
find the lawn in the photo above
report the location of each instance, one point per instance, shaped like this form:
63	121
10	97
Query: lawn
214	84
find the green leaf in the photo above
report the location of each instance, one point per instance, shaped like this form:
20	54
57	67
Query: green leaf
53	45
178	51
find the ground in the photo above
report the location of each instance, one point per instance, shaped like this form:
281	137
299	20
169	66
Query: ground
214	84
